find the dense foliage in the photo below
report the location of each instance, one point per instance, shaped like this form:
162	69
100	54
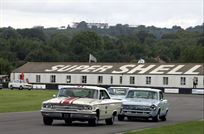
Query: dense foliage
119	43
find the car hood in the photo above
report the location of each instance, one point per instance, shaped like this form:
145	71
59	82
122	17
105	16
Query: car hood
117	97
136	101
72	100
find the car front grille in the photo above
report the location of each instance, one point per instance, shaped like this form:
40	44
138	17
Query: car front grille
67	107
137	107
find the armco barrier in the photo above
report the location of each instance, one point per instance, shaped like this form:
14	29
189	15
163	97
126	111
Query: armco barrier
171	90
197	91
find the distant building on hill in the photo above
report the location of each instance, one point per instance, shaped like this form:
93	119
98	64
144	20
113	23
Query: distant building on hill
91	25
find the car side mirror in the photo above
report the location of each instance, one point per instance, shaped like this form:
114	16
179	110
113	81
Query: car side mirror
54	96
102	98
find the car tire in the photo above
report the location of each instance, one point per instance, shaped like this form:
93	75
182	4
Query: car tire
110	121
163	118
121	117
20	88
157	117
93	122
47	120
68	122
11	87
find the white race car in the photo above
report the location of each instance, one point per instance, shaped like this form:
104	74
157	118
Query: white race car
144	103
20	84
81	103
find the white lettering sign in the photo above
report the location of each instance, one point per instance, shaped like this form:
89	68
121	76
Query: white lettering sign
123	69
191	71
141	69
128	68
174	70
102	69
54	68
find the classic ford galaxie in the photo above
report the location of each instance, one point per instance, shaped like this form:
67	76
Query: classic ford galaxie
144	103
81	103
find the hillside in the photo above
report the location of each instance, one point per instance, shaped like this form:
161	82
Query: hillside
120	43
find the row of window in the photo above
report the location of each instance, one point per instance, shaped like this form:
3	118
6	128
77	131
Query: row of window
100	79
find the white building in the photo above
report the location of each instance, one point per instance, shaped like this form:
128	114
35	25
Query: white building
172	76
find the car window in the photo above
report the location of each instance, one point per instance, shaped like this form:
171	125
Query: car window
104	95
161	96
78	92
117	91
142	94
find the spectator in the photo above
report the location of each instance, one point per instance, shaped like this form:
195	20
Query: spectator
195	82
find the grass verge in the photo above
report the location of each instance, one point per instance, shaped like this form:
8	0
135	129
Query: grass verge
23	100
195	127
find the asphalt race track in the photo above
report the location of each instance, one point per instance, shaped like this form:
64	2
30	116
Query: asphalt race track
182	108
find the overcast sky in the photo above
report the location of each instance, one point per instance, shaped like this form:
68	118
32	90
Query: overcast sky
56	13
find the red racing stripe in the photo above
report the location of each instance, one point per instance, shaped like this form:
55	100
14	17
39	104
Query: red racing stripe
71	101
66	101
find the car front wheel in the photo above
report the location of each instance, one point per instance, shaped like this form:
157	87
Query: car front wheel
163	118
11	87
157	117
121	117
93	122
110	121
20	88
47	121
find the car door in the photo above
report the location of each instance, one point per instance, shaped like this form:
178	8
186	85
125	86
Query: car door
106	109
163	103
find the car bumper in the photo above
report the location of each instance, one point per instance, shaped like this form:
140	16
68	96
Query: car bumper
28	87
69	115
144	114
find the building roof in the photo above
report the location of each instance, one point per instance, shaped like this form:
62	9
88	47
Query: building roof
112	68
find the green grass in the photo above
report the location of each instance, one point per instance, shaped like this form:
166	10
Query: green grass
195	127
23	100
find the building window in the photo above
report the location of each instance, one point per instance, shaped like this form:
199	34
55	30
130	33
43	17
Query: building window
100	79
183	80
83	79
111	79
38	79
132	80
148	80
68	78
165	80
52	78
121	79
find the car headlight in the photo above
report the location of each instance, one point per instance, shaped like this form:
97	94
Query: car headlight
47	105
153	107
87	107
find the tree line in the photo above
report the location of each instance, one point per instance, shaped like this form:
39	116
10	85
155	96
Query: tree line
119	43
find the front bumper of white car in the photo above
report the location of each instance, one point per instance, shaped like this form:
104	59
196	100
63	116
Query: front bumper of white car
141	111
71	115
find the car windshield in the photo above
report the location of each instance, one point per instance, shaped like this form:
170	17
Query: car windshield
117	91
78	92
142	94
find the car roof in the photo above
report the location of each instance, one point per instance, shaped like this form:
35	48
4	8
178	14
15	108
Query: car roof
146	89
122	87
85	87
